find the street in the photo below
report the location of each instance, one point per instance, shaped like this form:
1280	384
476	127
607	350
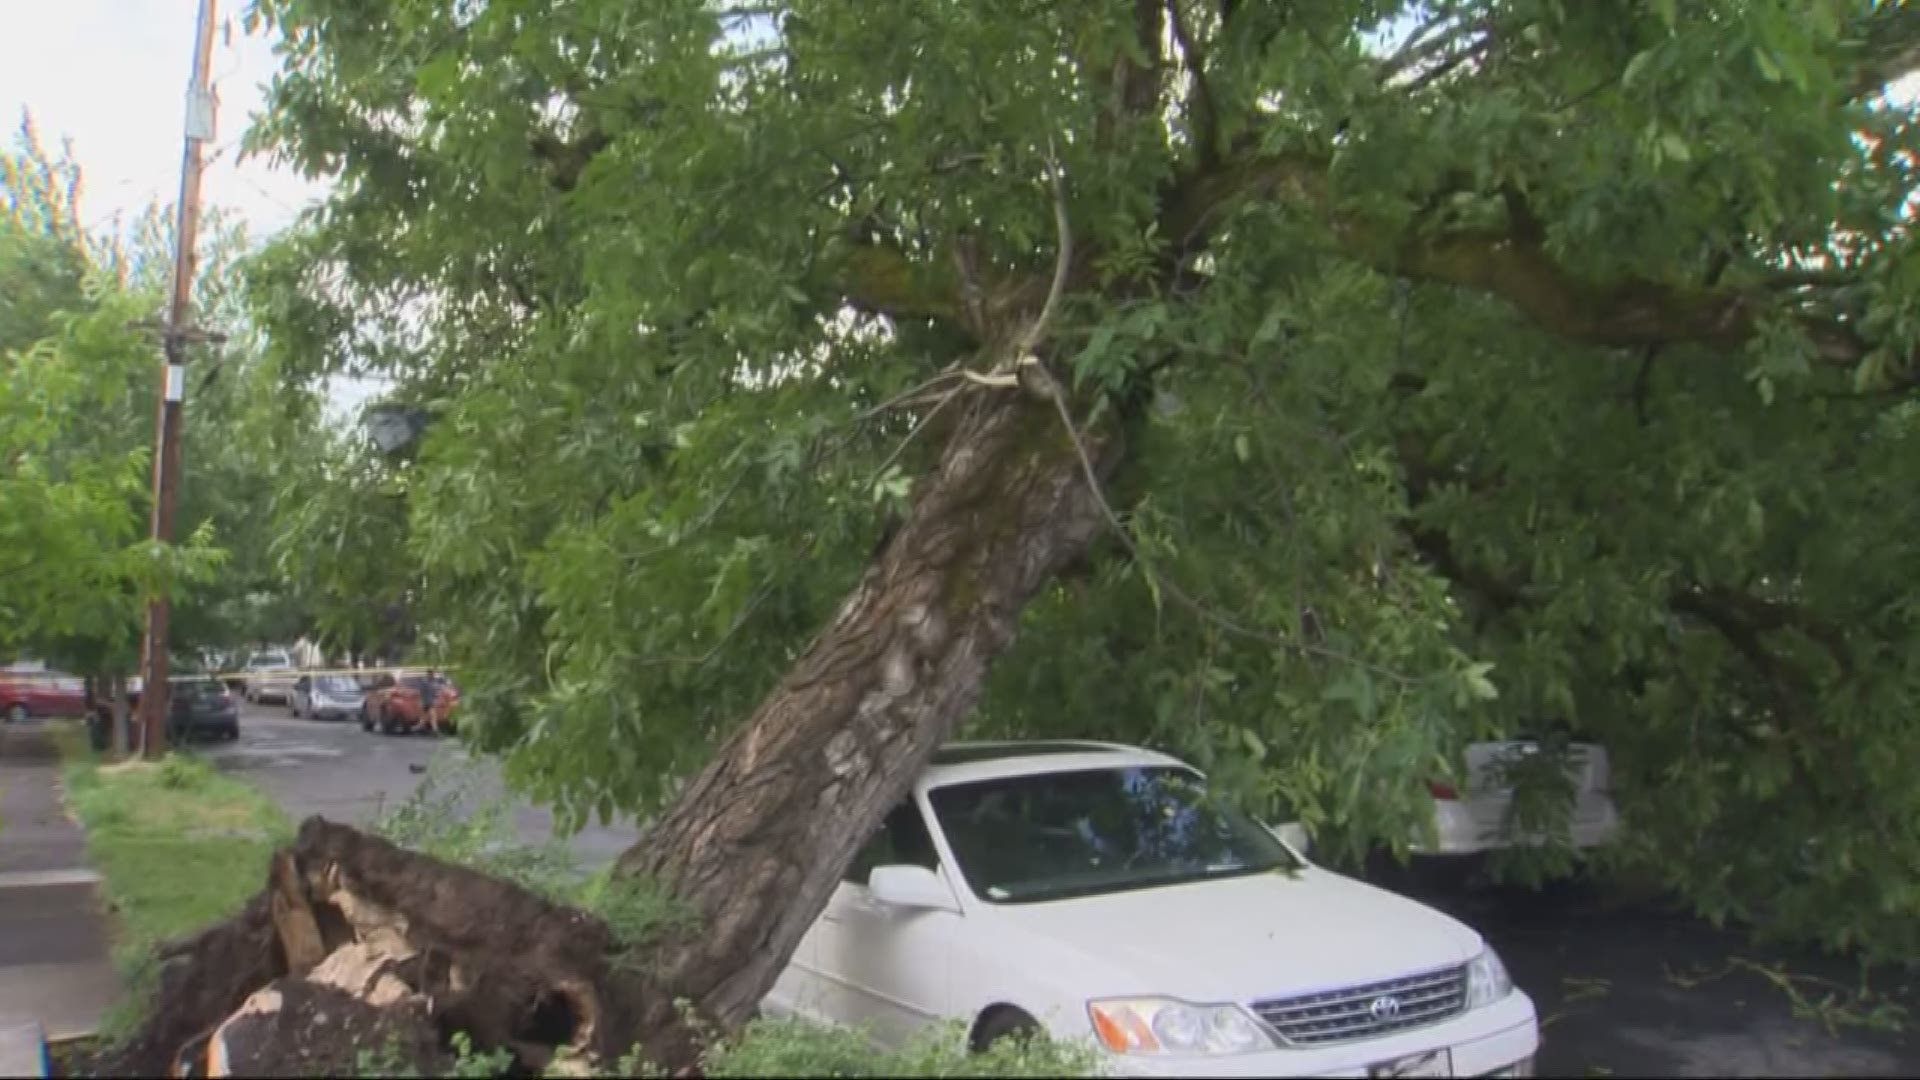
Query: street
1642	989
336	770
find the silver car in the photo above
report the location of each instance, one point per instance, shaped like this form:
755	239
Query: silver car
326	697
269	675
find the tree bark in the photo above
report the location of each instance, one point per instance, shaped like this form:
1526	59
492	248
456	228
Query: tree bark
756	842
117	716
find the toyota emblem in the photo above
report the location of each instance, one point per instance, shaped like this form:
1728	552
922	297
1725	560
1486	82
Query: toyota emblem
1383	1008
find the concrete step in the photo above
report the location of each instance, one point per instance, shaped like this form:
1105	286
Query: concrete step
23	1051
55	969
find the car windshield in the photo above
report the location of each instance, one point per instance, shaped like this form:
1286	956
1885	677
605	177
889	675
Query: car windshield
336	684
199	688
272	660
1050	836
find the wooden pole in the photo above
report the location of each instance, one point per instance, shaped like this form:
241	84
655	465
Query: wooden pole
173	381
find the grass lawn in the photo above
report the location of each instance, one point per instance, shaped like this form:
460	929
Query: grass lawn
178	846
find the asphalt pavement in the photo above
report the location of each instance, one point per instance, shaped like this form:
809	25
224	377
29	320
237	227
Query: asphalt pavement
1627	986
334	769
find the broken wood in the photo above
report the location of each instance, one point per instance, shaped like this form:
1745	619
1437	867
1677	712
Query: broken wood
354	939
293	919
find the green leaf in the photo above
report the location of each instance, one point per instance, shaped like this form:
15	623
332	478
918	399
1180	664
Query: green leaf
1479	685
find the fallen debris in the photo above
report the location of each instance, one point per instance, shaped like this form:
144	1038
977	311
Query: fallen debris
356	945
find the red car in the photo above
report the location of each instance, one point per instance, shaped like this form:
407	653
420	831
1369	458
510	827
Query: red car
25	694
410	703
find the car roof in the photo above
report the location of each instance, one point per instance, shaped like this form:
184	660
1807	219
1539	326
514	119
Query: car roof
960	762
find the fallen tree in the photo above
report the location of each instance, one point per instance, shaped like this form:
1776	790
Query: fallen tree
964	265
416	946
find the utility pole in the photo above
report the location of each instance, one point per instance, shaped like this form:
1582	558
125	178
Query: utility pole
155	689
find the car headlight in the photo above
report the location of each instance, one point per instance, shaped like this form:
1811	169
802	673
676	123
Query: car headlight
1487	979
1167	1026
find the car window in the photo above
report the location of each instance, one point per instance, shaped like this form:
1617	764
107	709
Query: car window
1048	836
902	838
336	684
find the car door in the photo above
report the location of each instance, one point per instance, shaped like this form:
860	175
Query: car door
883	968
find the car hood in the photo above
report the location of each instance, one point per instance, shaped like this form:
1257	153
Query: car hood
1250	938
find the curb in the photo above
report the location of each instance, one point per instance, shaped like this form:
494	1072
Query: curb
23	1051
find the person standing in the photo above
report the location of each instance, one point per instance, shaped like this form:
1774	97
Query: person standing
429	696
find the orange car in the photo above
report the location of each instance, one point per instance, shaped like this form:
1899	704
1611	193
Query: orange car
410	703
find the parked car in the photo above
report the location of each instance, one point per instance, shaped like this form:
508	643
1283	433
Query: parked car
27	694
1475	820
402	705
1092	891
199	707
269	676
326	697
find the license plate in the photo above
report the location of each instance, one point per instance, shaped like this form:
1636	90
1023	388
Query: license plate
1429	1063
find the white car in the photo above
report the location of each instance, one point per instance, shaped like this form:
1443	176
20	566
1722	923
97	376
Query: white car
269	676
1092	891
1473	821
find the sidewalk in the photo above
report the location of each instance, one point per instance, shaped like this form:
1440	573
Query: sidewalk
54	962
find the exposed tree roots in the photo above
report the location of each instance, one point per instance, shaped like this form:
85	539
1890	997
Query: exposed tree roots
356	945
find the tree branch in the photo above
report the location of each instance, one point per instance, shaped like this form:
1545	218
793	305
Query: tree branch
567	160
1204	111
1889	51
1755	615
882	280
1504	263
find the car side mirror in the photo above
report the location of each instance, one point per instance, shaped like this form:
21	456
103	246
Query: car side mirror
1294	835
914	888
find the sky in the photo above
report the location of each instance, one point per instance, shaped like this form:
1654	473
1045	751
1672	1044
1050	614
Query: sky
111	76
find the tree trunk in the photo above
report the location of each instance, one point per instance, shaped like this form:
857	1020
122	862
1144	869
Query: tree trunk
117	716
757	841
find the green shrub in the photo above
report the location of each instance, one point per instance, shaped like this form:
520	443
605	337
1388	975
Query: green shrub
447	818
184	772
799	1048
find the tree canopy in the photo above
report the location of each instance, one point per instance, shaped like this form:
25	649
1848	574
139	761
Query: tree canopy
76	430
1444	369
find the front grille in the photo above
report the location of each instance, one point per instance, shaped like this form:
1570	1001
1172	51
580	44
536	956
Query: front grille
1363	1012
